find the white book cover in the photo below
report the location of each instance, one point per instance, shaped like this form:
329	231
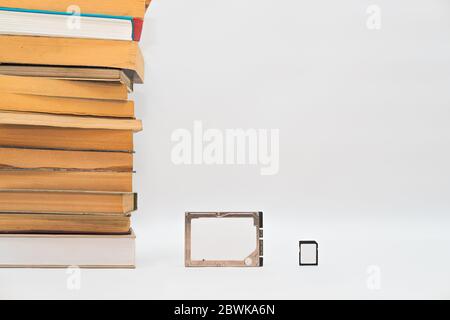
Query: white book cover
65	250
60	24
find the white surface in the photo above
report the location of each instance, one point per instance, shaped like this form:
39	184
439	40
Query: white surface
223	238
364	141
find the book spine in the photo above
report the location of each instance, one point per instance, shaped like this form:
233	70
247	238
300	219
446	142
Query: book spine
138	24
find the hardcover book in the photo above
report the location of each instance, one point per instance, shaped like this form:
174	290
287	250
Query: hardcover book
46	23
66	131
65	250
45	137
73	52
131	8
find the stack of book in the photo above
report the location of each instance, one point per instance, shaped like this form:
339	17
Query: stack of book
67	68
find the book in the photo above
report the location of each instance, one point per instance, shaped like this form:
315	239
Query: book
68	73
18	21
132	8
66	180
66	250
64	160
66	106
55	138
63	88
74	52
58	223
66	131
49	120
67	202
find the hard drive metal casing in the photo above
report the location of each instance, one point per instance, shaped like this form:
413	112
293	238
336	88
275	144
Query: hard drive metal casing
254	259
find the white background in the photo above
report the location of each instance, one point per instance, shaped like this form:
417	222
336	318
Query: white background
364	150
